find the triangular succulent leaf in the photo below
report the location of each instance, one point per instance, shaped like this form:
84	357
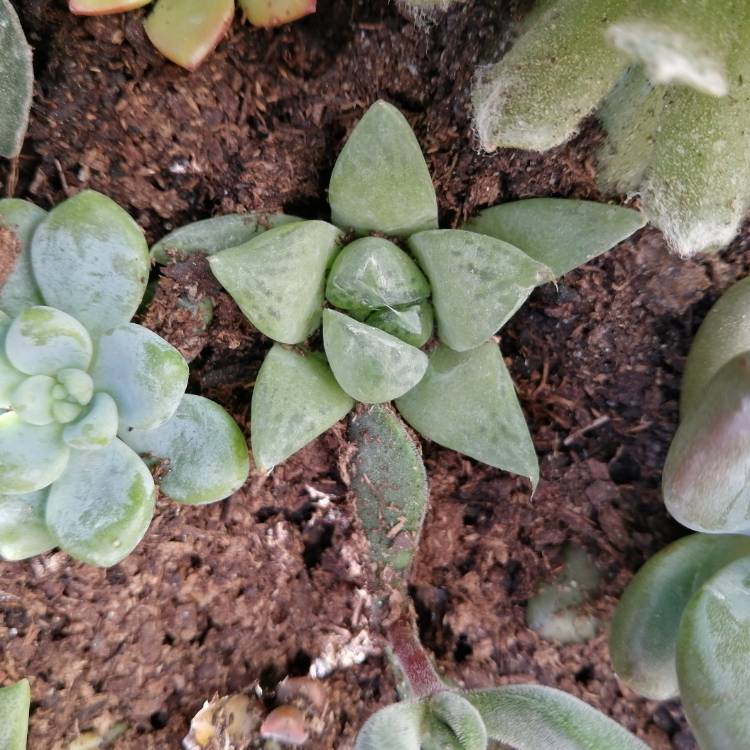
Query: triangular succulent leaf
23	530
412	324
15	702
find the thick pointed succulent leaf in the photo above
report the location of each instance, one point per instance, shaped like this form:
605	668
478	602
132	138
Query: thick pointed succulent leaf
100	508
532	717
466	402
372	272
269	13
96	427
380	181
477	282
31	457
20	290
412	324
370	365
10	378
723	335
704	481
90	260
144	374
561	233
643	636
104	7
389	483
187	31
278	278
210	236
205	450
555	74
460	718
713	647
16	82
396	727
23	530
15	702
295	399
42	340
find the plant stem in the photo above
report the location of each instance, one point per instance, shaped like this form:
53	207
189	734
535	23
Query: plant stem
413	660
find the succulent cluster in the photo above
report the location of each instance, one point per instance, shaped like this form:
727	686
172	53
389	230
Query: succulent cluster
16	82
84	392
669	80
187	31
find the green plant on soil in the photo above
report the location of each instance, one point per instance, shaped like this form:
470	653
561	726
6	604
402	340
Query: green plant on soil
84	392
187	31
670	81
15	701
16	82
683	625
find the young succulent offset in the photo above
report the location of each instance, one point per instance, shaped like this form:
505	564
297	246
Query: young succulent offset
669	80
84	393
187	31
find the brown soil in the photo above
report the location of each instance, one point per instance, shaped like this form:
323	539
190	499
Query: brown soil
242	593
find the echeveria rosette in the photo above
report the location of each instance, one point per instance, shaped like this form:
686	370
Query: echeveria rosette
84	391
388	274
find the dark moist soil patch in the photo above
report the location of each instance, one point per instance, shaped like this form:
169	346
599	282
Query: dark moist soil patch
245	592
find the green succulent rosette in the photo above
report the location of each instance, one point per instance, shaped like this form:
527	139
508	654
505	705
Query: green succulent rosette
87	397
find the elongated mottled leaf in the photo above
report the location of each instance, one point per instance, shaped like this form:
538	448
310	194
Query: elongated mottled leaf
23	530
643	636
478	282
144	374
278	278
269	13
205	449
100	508
96	427
467	402
372	272
211	236
42	341
705	478
15	701
187	31
380	181
722	336
389	483
713	659
561	233
412	324
555	74
295	399
532	717
370	365
16	82
104	7
20	290
460	718
396	727
90	260
31	457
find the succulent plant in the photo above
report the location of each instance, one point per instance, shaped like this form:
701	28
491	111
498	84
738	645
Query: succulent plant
187	31
386	272
670	81
15	701
84	392
16	81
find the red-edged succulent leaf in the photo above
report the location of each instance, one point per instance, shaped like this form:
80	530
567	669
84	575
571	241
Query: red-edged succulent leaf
104	7
269	13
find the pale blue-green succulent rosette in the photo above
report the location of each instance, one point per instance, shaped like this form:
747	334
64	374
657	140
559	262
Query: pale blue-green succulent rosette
87	398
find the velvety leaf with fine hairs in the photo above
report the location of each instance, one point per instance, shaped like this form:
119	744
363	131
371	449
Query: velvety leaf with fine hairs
643	635
210	236
380	181
111	261
278	278
389	483
396	727
532	717
713	662
295	399
477	282
467	402
705	478
205	449
15	701
16	82
562	233
23	530
466	726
